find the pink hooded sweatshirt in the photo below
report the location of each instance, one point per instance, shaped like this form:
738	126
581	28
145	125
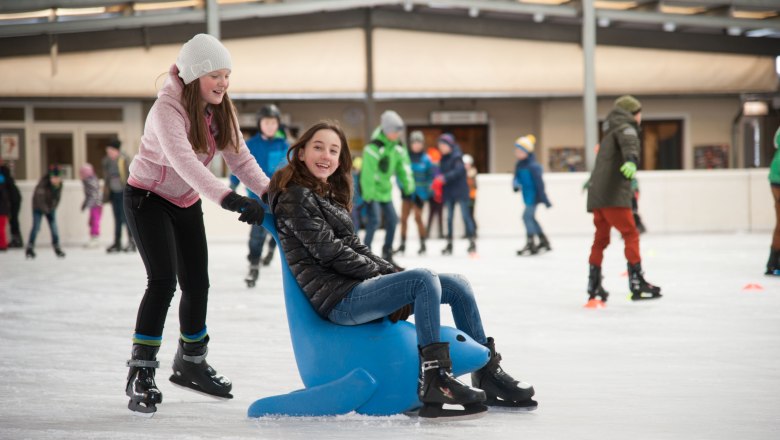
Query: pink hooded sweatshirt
167	165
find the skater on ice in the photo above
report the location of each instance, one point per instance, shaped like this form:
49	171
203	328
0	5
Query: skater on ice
269	147
192	118
455	190
422	169
528	180
609	199
773	264
46	198
347	284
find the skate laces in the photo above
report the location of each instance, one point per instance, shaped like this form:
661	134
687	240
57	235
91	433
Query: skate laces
498	372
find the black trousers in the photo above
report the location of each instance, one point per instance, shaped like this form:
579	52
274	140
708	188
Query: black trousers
172	244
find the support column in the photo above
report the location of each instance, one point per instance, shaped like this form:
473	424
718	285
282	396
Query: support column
369	121
212	19
589	81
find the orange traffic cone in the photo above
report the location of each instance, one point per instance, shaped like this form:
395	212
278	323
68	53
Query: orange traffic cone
595	303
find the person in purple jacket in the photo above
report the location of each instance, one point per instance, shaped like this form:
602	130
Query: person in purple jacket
191	120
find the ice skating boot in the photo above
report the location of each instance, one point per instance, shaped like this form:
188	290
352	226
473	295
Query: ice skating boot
500	388
58	252
387	255
190	370
269	255
253	275
641	289
29	253
544	244
597	296
130	246
773	264
141	388
422	250
16	242
639	225
472	250
530	247
401	249
437	386
114	248
448	249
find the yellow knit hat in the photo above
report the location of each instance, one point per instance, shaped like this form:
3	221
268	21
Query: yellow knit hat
526	143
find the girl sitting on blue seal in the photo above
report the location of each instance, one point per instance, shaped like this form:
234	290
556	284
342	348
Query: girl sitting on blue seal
311	198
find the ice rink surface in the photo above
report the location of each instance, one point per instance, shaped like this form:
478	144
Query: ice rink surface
701	363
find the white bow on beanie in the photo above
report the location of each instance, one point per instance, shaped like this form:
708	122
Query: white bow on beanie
201	55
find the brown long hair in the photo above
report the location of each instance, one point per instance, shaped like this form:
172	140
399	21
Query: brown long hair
339	184
224	115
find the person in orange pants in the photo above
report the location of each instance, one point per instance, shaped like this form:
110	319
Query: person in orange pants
609	199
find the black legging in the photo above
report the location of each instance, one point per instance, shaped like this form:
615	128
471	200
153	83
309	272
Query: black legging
171	241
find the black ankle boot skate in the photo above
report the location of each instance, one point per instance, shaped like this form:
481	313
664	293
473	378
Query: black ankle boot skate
472	246
597	296
773	264
141	388
501	388
422	250
448	249
29	253
401	249
544	244
58	252
641	289
530	248
269	255
437	386
254	271
190	370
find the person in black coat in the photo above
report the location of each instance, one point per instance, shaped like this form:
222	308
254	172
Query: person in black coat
456	190
347	284
15	203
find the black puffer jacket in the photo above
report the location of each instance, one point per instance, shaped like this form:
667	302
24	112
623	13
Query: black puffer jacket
321	247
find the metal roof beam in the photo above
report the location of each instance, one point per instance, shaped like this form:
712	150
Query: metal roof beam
688	20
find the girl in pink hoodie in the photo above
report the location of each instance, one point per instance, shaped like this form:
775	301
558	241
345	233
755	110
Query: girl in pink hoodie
191	120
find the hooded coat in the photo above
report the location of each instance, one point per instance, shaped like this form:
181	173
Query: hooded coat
608	186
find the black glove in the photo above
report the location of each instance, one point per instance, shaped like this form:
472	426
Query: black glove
250	209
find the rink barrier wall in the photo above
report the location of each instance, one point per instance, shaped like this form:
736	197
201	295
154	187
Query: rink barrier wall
670	202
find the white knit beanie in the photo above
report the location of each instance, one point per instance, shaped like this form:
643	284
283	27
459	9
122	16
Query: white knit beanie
201	55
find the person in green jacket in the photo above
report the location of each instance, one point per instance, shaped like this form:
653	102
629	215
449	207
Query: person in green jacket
773	265
383	158
609	199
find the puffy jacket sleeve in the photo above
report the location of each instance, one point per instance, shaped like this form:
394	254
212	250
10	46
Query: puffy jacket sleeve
627	139
297	210
457	171
368	173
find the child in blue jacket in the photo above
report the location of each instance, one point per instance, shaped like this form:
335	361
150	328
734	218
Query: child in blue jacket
528	178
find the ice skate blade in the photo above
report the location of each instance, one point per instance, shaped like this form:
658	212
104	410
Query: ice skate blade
435	413
189	386
644	298
498	405
138	410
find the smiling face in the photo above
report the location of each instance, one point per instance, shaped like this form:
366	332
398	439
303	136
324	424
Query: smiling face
213	86
321	154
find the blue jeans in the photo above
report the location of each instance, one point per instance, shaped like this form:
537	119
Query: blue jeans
425	290
464	210
532	227
55	236
118	207
256	240
386	209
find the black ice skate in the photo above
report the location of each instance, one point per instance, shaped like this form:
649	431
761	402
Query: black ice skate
641	289
269	256
448	249
544	244
437	386
191	371
500	388
401	249
16	242
141	389
472	250
58	252
114	248
29	253
530	247
253	275
773	264
422	250
597	296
